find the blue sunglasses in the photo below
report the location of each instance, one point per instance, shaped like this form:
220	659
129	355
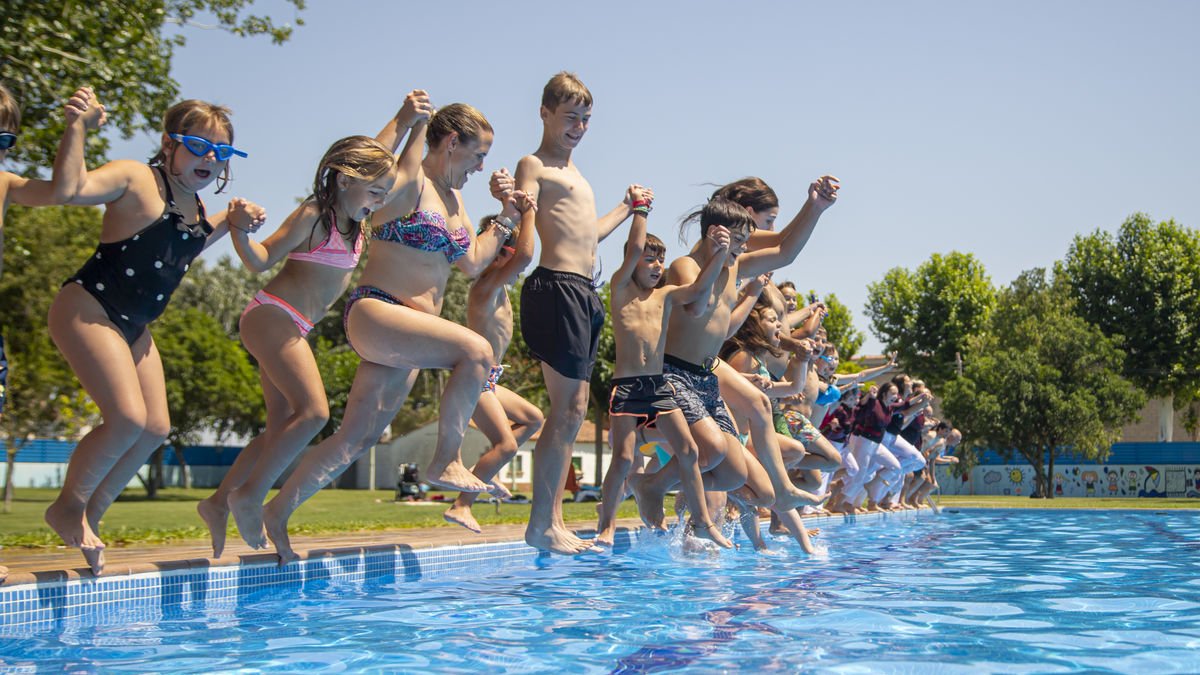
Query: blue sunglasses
7	140
202	146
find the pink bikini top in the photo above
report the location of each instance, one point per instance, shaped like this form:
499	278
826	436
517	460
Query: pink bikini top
332	252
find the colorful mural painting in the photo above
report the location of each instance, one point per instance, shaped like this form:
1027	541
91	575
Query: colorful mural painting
1132	470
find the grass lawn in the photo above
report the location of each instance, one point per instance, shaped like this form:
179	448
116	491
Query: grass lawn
172	517
1016	502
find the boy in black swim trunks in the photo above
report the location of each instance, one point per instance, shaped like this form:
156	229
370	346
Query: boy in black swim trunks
561	314
641	304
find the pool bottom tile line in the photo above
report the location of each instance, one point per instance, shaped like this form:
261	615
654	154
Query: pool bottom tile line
149	590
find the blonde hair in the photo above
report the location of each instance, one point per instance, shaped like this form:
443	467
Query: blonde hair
459	118
189	115
10	111
565	87
359	158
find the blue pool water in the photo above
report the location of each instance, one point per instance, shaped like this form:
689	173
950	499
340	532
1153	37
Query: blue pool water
975	591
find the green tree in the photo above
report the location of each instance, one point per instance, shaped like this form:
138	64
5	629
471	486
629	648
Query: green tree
928	315
839	325
211	385
42	248
1144	284
1041	382
123	49
222	290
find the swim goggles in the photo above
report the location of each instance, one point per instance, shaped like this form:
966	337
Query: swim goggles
7	140
202	146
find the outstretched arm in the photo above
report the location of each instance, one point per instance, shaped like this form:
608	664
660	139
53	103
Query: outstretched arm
741	311
635	246
868	374
821	195
83	113
613	219
416	108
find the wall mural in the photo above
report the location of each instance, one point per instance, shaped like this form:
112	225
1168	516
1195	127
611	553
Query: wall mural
1087	480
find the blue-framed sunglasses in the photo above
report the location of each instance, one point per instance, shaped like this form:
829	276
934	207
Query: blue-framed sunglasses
202	146
7	140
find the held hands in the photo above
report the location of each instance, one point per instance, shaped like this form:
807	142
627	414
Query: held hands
415	109
245	216
84	106
823	193
718	239
763	383
517	202
502	185
758	283
637	192
892	358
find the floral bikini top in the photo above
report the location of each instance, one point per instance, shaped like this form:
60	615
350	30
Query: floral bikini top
425	231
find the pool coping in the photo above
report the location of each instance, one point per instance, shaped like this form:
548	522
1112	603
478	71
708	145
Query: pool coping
33	602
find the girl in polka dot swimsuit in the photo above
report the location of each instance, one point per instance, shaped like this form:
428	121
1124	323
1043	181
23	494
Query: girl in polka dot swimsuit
154	226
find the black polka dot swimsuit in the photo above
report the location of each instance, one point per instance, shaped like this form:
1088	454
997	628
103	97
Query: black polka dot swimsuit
133	279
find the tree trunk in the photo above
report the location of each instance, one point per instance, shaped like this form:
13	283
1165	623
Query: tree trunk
155	472
8	474
598	420
1050	475
1166	419
1039	476
183	466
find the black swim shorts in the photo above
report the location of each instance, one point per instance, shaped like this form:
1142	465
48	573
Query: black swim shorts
561	318
644	396
697	393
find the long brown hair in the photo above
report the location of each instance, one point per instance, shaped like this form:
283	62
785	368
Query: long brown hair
359	158
187	116
749	337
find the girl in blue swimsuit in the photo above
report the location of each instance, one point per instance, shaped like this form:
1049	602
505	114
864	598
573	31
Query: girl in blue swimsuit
154	226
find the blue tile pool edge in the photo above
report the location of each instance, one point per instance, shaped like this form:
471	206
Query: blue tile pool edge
27	608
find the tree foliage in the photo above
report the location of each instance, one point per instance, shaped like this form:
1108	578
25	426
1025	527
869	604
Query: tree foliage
839	325
1040	381
1144	284
928	315
123	49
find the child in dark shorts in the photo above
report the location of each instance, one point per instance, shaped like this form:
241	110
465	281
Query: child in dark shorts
641	395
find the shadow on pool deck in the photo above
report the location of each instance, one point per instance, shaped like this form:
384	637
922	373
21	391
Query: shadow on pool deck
26	566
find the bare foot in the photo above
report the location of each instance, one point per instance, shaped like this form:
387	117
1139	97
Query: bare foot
248	514
793	497
454	476
497	489
606	537
94	558
72	527
650	505
461	515
215	514
710	532
556	540
277	532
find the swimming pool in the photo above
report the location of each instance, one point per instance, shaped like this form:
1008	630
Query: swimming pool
979	590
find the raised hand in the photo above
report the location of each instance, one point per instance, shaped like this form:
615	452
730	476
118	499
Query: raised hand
892	358
523	201
83	105
637	192
718	238
415	109
823	192
245	215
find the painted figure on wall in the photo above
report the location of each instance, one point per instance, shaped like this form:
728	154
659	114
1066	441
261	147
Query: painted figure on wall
1114	480
1058	481
1152	484
1089	482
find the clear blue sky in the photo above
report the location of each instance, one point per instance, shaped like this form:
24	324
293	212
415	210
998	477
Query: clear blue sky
1000	129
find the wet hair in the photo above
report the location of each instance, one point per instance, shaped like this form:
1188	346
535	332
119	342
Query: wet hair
10	111
749	337
359	158
719	211
459	118
565	87
751	192
189	116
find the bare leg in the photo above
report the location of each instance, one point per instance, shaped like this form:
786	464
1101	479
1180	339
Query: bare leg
624	437
404	338
106	368
687	455
289	371
551	461
751	404
490	418
375	398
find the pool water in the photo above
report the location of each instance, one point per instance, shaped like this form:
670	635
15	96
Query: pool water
973	591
